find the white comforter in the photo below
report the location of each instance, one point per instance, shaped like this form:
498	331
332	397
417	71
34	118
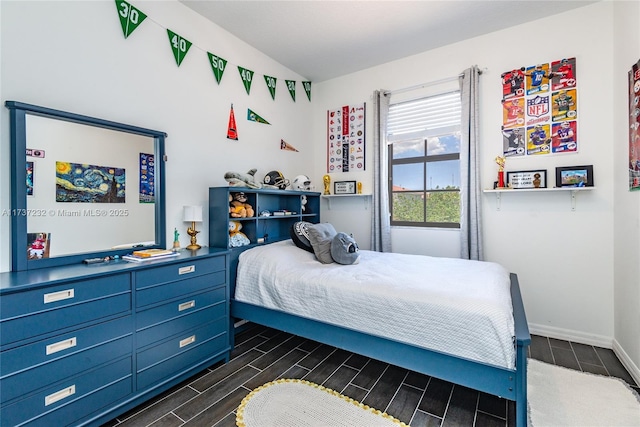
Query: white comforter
450	305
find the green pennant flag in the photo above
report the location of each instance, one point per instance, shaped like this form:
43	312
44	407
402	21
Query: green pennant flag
179	46
218	65
271	84
307	89
291	85
130	17
247	76
253	117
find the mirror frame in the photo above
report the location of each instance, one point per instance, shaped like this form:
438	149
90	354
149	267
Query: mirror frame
18	112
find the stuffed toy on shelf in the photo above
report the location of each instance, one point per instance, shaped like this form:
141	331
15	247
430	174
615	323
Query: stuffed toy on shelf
236	237
238	206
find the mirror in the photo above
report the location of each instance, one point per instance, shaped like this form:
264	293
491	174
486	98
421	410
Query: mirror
82	187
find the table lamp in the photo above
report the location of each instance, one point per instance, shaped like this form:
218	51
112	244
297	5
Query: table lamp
193	214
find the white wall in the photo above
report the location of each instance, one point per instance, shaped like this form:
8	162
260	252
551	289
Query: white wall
564	258
627	204
72	56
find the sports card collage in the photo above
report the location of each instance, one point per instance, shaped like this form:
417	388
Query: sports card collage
540	109
634	127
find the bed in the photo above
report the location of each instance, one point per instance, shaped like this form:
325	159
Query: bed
458	320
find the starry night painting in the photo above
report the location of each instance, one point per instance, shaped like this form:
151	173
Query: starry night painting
82	183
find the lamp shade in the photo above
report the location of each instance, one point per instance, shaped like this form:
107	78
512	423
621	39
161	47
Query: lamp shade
192	214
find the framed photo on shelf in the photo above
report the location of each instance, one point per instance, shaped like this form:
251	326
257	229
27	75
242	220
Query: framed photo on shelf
574	176
344	187
527	179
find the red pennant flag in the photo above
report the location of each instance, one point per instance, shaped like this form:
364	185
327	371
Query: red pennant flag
232	133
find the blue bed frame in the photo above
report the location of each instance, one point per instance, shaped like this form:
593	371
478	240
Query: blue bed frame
506	383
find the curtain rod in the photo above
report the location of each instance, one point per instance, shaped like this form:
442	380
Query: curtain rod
422	85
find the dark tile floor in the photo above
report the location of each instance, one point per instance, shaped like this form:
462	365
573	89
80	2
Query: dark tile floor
261	355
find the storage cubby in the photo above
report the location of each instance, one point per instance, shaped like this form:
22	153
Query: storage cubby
260	229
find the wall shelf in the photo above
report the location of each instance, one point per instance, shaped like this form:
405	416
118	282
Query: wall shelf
572	192
365	198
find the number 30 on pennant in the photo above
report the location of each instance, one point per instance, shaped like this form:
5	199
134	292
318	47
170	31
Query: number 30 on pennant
130	17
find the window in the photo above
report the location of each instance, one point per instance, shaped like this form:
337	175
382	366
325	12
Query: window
424	161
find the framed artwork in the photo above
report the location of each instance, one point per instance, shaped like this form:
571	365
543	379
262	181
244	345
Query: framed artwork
574	176
30	178
38	245
344	187
527	179
85	183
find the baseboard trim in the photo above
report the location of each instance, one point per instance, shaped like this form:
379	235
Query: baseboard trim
633	369
571	335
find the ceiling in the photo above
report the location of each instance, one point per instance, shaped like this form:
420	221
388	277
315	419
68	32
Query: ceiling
322	39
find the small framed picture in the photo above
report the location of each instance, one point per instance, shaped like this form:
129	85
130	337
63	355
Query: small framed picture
574	176
527	179
344	187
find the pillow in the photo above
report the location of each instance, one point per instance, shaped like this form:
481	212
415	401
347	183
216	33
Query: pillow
299	232
344	249
320	236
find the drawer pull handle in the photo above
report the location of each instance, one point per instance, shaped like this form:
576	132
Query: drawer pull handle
188	341
186	305
59	395
62	345
186	270
58	296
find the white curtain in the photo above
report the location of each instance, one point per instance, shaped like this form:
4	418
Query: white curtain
381	221
471	246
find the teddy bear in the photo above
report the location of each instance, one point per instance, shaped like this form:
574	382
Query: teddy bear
238	206
236	237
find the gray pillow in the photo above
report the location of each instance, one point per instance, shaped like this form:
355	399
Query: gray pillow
344	249
320	236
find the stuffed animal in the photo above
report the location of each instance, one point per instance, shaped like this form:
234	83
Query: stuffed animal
237	179
238	206
236	237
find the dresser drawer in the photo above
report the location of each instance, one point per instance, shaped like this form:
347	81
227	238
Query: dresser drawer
24	382
179	288
181	324
73	398
49	321
179	271
66	345
71	293
177	362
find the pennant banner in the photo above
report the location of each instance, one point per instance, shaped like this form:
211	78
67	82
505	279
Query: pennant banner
291	85
247	77
307	89
286	146
232	132
179	45
271	84
130	17
218	66
253	117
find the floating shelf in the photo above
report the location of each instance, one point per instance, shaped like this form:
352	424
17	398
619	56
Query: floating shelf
364	197
572	190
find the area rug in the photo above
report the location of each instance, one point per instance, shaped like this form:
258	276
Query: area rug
564	397
298	403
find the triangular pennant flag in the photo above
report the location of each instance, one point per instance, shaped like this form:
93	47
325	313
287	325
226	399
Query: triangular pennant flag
232	132
286	146
291	85
253	117
271	84
179	45
247	77
307	89
130	17
218	65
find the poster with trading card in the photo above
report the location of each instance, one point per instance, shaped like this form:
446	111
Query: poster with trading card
538	109
564	137
538	139
634	127
513	142
564	105
563	74
346	139
537	79
513	83
512	113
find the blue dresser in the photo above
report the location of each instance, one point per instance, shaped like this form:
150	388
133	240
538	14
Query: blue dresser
81	344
